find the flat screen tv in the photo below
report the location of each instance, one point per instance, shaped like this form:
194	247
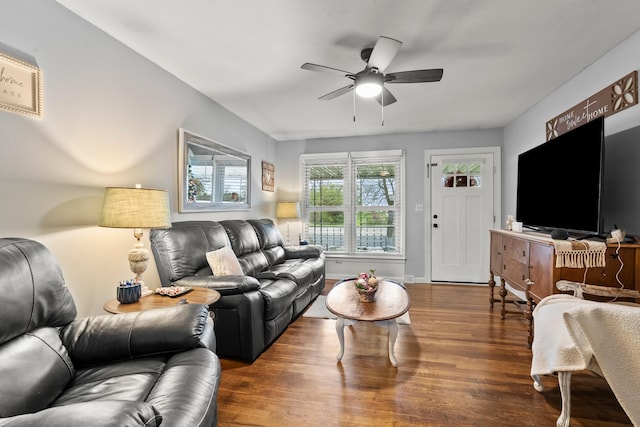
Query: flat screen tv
560	182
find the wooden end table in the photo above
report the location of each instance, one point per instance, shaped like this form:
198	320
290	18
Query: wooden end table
194	296
391	302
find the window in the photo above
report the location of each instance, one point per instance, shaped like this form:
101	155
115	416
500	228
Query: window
352	202
461	174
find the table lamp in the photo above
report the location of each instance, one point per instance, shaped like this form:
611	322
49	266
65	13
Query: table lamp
136	208
287	210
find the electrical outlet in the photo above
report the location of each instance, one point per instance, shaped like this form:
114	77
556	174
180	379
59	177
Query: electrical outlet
618	235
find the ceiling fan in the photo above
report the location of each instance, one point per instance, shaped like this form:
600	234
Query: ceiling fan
370	82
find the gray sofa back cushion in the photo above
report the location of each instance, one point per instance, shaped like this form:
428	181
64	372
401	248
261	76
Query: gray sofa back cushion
181	250
246	246
270	240
35	370
33	290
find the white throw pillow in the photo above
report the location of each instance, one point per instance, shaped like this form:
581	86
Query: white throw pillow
223	262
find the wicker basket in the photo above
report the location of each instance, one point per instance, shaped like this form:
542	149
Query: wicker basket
367	296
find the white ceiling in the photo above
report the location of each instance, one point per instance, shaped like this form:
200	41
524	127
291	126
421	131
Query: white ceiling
500	57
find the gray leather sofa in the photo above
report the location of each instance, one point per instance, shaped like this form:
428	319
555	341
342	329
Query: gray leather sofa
255	308
136	369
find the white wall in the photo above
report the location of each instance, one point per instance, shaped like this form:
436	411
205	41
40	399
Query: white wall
414	144
110	119
528	130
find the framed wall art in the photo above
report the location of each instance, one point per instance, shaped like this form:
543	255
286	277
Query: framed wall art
268	176
20	87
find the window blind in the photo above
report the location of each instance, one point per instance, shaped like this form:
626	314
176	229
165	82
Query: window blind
353	202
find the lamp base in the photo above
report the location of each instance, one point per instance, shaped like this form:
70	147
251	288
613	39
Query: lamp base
138	262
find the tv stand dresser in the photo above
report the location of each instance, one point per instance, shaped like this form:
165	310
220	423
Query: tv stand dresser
526	262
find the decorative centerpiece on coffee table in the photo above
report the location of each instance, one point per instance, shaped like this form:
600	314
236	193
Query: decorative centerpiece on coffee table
367	285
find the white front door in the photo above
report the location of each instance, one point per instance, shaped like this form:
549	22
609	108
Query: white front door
461	215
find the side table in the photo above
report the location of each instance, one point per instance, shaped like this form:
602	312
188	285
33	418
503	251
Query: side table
194	296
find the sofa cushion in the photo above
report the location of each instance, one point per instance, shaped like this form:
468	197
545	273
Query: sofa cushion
31	297
130	380
223	262
196	374
35	370
246	246
316	265
297	272
182	248
267	232
242	236
270	240
253	263
278	296
103	413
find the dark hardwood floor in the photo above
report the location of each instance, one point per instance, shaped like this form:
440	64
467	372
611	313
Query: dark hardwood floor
459	364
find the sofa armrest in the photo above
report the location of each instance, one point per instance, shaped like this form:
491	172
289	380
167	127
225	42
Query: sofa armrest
303	252
226	285
99	339
105	413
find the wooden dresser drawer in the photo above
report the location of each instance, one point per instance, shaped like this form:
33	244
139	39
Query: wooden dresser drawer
515	272
516	249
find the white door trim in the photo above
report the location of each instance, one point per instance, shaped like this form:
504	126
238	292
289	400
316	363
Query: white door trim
497	192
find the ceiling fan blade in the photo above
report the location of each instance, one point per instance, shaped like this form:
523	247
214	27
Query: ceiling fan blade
385	96
336	93
415	76
325	69
383	53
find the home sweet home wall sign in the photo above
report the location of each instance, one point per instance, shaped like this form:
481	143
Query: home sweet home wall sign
616	97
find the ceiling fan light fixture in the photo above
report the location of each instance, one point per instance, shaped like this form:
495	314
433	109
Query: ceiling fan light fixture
369	85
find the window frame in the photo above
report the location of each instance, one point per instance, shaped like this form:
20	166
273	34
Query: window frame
349	161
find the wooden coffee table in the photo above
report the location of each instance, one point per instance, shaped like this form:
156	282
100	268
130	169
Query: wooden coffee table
194	296
391	302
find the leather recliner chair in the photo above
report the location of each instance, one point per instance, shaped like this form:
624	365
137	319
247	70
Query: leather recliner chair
133	369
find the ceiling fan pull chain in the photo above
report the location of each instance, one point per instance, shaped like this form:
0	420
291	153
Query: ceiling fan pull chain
382	107
354	105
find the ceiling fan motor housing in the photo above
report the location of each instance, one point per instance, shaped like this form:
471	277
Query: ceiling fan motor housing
365	54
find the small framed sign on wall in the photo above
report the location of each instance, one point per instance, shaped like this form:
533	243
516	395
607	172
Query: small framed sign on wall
268	176
20	86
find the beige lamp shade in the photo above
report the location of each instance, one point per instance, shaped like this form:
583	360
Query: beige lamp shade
288	210
135	208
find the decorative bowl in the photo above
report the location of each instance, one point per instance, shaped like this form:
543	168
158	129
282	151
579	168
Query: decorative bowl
128	294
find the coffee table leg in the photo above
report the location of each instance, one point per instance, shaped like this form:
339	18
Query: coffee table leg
340	331
392	326
393	334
